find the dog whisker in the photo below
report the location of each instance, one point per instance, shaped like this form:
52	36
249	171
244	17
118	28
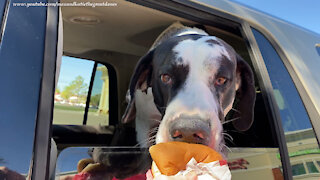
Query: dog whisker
239	132
230	120
235	110
149	141
157	120
153	130
228	136
225	147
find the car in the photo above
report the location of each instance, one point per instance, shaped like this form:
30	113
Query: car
65	69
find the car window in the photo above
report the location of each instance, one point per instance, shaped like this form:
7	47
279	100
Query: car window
69	158
73	89
98	113
251	154
300	137
20	78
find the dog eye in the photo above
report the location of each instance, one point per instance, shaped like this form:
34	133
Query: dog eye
220	81
166	79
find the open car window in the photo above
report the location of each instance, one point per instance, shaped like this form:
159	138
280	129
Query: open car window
119	37
82	93
72	91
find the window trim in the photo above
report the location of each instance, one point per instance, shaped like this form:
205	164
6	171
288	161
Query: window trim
43	130
86	109
3	17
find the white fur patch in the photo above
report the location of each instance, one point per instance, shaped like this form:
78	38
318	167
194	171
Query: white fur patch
192	31
199	50
147	115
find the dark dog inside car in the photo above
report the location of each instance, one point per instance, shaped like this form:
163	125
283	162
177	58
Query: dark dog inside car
181	90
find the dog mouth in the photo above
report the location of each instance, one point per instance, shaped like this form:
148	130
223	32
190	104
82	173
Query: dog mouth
196	128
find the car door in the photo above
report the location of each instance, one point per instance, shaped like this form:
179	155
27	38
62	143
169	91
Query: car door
27	67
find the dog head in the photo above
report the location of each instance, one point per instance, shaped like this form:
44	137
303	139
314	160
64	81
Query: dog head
194	80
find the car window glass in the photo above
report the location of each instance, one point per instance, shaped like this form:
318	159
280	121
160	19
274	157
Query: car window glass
21	60
254	163
22	50
98	113
71	91
301	141
69	158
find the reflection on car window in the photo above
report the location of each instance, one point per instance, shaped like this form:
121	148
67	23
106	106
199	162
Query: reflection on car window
312	168
98	113
121	162
21	61
300	137
254	163
298	169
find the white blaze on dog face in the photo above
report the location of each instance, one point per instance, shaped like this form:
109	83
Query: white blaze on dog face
197	96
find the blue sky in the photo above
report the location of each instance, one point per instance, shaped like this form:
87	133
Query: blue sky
305	13
71	68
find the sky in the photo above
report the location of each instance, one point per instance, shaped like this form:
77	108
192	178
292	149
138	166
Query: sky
305	13
71	68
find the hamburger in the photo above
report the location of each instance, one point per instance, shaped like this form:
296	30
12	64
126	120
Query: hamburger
184	159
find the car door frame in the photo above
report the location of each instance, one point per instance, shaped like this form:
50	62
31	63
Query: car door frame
43	131
44	65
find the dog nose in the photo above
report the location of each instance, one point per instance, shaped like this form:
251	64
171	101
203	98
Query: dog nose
190	130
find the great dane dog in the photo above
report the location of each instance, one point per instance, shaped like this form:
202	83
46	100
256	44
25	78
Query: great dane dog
182	89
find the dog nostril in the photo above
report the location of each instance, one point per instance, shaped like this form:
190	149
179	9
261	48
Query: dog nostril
189	130
198	135
177	134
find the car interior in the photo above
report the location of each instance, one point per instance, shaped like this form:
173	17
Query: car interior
117	37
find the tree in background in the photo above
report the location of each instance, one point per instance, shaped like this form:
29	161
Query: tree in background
94	100
77	87
58	90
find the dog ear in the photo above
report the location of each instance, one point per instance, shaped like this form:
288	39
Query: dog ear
245	98
141	79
